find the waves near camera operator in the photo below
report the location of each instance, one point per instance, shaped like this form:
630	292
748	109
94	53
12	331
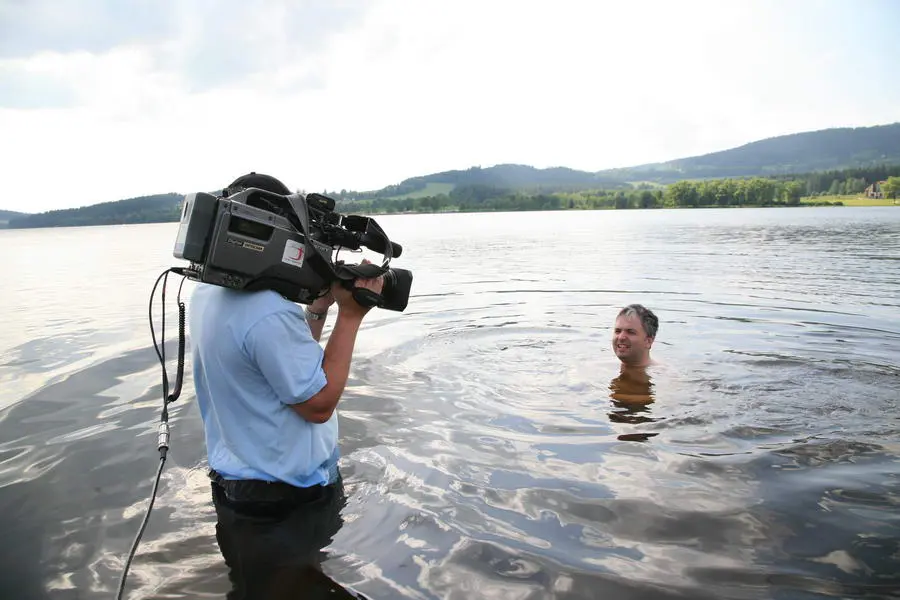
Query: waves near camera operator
491	447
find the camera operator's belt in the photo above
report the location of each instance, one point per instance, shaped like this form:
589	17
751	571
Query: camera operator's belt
257	491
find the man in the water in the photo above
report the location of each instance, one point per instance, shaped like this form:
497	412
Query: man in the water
633	335
632	390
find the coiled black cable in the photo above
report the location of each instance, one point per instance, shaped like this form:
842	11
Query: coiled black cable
163	431
179	374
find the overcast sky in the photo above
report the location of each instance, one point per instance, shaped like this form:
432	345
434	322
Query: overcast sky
102	100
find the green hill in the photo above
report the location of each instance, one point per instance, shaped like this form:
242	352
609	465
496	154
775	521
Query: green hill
831	161
159	208
507	176
6	215
829	149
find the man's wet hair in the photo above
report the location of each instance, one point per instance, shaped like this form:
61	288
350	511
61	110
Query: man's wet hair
648	319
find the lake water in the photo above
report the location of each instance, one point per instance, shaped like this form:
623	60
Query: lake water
483	455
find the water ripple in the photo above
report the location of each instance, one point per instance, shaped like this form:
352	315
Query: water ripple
491	446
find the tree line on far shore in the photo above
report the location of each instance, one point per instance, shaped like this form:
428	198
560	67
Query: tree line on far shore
812	188
755	191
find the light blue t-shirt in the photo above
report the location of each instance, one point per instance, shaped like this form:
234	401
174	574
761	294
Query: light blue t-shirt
254	356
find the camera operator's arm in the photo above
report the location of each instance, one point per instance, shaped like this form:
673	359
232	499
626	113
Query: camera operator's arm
318	307
338	352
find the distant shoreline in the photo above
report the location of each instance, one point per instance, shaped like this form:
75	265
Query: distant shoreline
819	201
847	187
805	203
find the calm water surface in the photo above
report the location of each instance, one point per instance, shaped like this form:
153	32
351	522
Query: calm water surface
485	453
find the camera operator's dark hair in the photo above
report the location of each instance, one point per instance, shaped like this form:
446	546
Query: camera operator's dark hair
648	319
256	180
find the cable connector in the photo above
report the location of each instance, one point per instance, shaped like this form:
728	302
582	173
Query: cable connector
163	438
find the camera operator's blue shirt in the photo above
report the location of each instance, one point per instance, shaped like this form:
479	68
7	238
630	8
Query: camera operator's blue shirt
254	356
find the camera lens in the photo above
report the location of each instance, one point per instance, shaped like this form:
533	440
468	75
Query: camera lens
397	283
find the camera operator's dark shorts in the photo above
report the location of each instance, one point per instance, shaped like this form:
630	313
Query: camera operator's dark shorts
272	537
255	493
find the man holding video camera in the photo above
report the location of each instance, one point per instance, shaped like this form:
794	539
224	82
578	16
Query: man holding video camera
267	393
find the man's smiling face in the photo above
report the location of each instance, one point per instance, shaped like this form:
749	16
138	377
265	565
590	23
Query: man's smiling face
630	341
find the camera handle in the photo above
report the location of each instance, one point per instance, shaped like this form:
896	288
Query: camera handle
363	296
366	297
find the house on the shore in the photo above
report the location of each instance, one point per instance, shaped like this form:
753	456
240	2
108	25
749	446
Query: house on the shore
875	191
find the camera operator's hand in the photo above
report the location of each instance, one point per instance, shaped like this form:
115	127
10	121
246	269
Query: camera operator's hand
322	303
347	305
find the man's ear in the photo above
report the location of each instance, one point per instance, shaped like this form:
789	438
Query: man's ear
649	341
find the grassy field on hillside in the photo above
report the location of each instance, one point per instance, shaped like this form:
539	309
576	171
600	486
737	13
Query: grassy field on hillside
430	189
850	200
651	184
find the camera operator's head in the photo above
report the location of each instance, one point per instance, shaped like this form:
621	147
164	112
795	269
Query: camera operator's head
256	180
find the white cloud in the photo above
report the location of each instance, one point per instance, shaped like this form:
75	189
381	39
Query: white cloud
361	96
28	27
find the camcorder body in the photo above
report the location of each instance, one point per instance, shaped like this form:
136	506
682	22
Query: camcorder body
254	239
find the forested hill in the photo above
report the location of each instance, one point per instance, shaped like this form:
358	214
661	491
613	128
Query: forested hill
829	149
833	161
508	176
159	208
6	215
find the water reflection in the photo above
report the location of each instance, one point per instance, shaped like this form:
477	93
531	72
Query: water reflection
632	392
484	456
276	551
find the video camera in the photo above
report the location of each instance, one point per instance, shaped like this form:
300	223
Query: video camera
254	239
